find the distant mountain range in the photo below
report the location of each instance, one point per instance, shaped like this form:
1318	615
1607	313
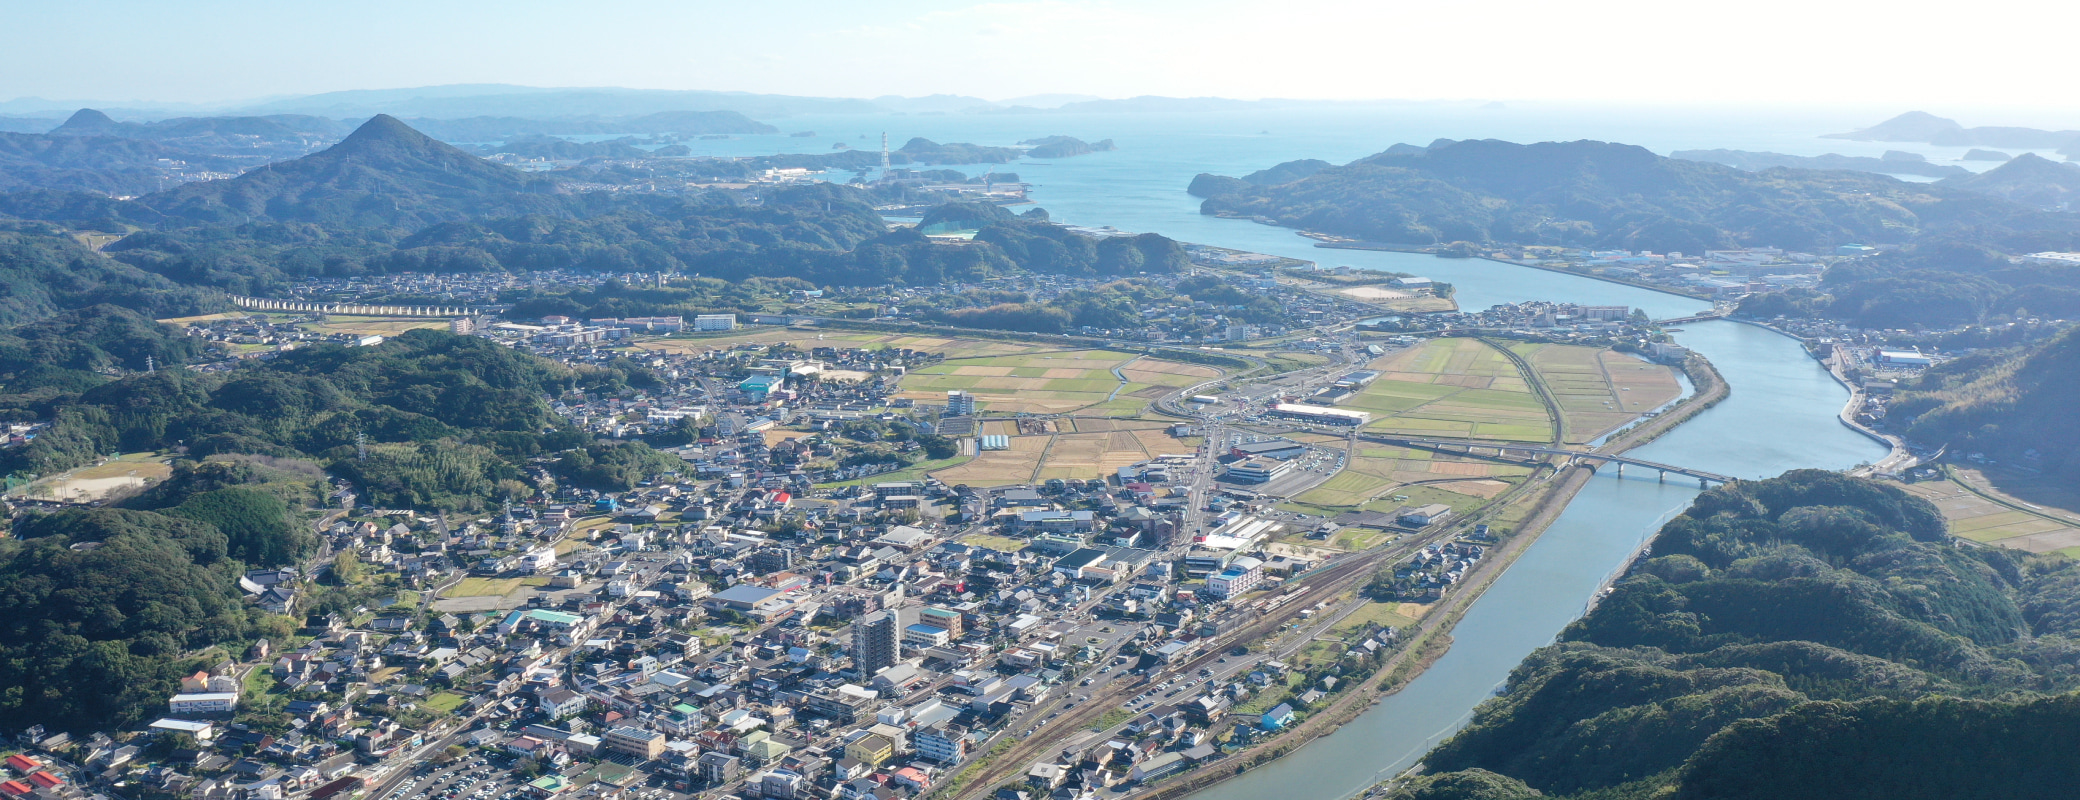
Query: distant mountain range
385	174
1921	126
2029	179
462	101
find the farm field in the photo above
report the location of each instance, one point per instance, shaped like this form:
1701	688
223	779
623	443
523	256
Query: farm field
1080	448
1453	387
1599	390
1982	520
1055	382
1375	469
951	347
999	467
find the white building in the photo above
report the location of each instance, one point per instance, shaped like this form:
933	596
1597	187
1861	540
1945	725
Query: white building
202	704
1242	575
715	322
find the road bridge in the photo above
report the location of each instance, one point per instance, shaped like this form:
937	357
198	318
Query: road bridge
1705	317
1503	449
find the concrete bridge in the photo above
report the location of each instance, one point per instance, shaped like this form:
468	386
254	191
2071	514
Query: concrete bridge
1504	449
358	309
1710	315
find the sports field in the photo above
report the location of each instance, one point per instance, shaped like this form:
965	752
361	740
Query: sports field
1458	388
1055	382
1599	390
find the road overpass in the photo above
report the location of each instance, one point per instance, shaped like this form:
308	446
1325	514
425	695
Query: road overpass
1503	449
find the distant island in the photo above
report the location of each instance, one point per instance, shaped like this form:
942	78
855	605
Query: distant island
1606	195
1064	147
1755	162
1921	126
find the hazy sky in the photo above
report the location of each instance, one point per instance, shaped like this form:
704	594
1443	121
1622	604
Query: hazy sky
1988	53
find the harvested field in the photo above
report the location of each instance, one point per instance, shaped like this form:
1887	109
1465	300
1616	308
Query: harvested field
1055	382
999	467
1599	390
1981	520
1452	387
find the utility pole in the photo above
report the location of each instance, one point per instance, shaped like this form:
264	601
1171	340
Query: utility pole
361	446
884	155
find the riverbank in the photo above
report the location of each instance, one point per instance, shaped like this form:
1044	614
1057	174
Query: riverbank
1897	456
1432	636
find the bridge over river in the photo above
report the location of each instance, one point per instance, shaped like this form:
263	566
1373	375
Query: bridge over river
1503	449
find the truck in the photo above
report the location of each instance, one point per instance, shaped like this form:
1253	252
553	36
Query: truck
1205	398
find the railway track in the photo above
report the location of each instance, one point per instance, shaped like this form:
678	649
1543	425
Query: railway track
1325	582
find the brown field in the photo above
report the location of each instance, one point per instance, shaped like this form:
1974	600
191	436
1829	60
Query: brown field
950	347
1982	520
1055	382
1092	455
999	467
1600	390
1095	424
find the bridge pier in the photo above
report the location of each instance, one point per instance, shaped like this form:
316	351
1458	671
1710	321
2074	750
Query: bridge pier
1662	478
1621	469
1703	484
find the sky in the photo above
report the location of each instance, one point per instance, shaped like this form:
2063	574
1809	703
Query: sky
1991	53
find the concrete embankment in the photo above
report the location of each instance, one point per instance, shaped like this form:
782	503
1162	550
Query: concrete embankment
1432	637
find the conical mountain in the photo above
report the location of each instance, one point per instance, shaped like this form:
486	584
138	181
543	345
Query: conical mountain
1913	126
89	122
385	174
2029	179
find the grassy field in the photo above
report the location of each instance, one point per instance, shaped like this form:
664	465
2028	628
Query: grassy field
1981	520
492	587
1376	472
1599	390
1082	448
1391	615
445	702
950	347
994	542
97	481
914	472
1458	388
1055	382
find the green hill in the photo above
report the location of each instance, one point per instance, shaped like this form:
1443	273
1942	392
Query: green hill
1598	194
2015	408
383	175
1807	636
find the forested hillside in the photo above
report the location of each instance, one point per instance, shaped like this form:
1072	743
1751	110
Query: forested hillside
1597	194
1808	636
447	419
390	199
2016	406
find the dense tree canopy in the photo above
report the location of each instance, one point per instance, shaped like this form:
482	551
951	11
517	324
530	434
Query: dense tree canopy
1779	626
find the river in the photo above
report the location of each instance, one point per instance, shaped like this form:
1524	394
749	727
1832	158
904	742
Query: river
1780	415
